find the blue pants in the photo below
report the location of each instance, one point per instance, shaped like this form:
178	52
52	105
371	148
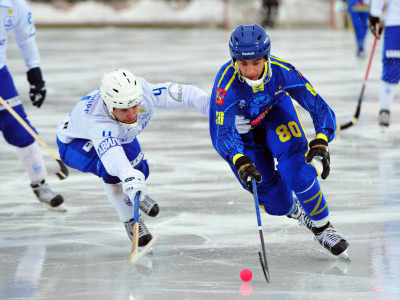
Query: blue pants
80	154
359	20
12	130
391	55
282	137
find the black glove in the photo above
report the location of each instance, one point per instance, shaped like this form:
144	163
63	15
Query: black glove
37	91
319	148
247	170
373	23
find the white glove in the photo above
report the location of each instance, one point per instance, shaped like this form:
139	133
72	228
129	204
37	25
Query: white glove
134	182
242	125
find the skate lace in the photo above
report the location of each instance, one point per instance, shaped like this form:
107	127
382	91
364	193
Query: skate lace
147	204
384	118
304	220
329	237
143	229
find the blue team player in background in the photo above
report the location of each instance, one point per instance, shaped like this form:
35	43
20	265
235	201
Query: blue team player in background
259	88
359	13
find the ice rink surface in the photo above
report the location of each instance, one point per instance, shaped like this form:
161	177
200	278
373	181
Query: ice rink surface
207	226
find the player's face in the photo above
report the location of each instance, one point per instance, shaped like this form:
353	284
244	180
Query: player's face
126	115
252	68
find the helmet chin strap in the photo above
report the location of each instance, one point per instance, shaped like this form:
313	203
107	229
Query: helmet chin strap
127	126
258	82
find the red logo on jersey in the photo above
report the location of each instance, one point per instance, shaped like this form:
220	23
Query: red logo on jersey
261	116
219	98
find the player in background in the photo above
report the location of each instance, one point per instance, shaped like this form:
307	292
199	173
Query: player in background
269	12
15	15
100	137
359	12
390	55
260	88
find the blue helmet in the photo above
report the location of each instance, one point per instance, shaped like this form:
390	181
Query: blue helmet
249	42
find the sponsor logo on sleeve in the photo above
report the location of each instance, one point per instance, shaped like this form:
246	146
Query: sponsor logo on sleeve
107	144
176	92
220	96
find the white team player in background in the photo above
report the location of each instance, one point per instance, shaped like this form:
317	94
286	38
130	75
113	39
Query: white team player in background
390	55
15	16
99	137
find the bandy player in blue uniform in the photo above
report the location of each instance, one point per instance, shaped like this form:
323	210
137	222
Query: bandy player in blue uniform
359	11
15	16
260	88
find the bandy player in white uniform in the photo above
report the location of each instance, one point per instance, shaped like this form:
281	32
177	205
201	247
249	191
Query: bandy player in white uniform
99	137
16	16
390	55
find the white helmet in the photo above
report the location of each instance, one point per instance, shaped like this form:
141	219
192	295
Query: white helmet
120	89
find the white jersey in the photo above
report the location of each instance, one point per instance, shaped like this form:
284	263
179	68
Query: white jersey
392	17
15	15
91	120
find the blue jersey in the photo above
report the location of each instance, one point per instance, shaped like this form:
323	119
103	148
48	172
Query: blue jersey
231	96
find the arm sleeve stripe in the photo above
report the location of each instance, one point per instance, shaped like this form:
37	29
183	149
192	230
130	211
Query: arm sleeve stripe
280	59
223	74
230	81
281	65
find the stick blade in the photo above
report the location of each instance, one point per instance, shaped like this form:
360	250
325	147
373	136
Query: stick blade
63	173
264	267
143	251
135	243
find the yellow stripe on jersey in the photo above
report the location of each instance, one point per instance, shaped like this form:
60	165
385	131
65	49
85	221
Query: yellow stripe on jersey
280	59
231	80
223	74
281	65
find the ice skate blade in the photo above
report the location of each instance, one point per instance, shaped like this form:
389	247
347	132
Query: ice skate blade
384	129
344	256
60	208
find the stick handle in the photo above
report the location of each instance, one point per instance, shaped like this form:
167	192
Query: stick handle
63	173
29	129
135	236
255	194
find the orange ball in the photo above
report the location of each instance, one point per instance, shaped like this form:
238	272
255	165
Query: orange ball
246	275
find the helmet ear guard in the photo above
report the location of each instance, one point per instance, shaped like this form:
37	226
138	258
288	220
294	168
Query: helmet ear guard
120	89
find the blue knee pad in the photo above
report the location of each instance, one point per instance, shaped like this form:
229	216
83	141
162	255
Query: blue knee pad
14	133
313	201
80	154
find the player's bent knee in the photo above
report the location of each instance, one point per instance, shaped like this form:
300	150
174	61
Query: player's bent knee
18	138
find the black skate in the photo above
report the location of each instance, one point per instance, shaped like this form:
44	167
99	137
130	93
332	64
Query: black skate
144	234
384	118
149	206
328	237
45	195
